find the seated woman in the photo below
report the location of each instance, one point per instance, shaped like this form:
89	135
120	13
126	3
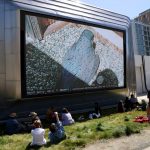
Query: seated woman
50	115
38	134
57	132
66	117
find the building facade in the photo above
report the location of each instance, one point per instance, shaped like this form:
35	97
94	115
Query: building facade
141	34
27	62
141	46
144	17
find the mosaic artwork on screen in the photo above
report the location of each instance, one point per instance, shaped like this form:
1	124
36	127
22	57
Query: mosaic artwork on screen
65	56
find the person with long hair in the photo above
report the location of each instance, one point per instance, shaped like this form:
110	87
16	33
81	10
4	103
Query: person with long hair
66	117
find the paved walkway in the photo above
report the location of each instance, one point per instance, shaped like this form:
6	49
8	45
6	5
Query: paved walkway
134	142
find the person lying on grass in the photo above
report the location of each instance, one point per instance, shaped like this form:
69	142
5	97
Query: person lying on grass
57	132
38	134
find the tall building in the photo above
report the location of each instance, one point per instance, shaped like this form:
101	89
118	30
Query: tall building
144	17
141	34
141	46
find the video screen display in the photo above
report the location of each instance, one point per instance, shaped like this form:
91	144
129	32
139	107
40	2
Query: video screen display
64	55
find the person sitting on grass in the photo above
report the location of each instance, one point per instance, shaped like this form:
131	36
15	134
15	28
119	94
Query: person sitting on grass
127	104
120	107
13	126
148	106
66	117
133	101
50	115
34	116
97	113
38	134
30	125
57	132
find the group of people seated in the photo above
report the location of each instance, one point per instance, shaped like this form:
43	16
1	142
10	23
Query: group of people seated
55	123
128	104
131	103
55	135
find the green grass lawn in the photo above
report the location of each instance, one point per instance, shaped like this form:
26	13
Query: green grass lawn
79	134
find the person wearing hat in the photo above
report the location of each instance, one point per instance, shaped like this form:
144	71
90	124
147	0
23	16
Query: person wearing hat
34	117
12	125
38	134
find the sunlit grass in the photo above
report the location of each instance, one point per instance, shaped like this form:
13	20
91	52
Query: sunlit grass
79	134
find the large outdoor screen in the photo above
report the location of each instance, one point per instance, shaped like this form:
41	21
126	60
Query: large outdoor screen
64	55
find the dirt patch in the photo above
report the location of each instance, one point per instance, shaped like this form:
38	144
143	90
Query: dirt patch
139	141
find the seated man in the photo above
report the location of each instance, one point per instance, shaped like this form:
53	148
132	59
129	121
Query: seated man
38	134
13	126
133	101
57	132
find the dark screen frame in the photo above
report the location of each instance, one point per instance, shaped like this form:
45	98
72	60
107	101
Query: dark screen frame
23	60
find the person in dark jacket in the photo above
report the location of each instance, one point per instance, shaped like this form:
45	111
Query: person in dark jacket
12	125
57	132
121	107
127	104
148	95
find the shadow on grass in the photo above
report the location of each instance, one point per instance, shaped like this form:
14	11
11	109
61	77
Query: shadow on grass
36	147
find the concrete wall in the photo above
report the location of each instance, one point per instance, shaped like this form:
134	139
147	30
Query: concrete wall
147	68
9	51
140	83
2	50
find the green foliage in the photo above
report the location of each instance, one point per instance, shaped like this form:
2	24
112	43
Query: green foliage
127	118
73	143
119	131
132	128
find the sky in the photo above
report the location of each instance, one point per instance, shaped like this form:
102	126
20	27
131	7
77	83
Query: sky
130	8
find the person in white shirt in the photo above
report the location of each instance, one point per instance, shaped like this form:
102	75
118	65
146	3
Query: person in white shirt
38	134
66	117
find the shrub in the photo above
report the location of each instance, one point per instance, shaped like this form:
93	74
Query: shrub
132	128
119	131
126	118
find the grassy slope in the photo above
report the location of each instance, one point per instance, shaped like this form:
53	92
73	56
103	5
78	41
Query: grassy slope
79	134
